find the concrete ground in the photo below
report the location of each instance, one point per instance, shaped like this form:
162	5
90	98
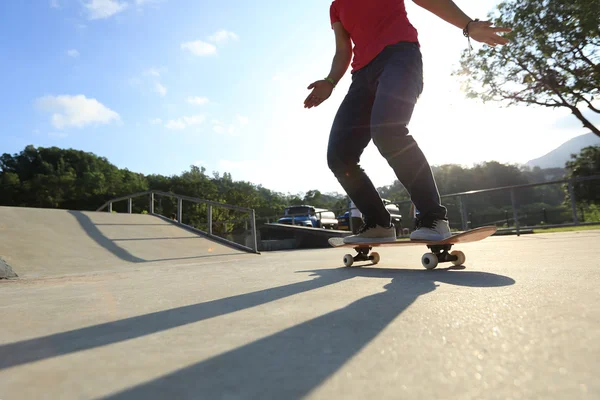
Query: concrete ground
521	320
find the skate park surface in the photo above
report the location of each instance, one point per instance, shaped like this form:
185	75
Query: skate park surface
120	306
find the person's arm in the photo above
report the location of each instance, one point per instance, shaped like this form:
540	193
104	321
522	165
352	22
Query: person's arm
322	89
481	31
343	53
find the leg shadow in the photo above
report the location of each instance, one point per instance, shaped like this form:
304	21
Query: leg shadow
293	362
93	232
130	328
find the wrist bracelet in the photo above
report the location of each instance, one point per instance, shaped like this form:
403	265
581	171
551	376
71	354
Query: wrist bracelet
330	80
466	32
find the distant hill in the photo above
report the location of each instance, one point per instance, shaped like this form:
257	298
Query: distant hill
559	156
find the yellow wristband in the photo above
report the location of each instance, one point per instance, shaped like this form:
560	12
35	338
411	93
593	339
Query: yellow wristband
330	80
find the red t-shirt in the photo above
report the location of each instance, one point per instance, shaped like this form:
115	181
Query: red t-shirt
372	25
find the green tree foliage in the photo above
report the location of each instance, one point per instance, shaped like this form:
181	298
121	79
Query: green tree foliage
586	163
70	179
56	178
553	59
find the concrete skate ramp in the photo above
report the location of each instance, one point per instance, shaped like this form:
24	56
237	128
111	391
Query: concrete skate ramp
46	242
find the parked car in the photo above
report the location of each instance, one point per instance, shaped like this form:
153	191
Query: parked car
309	216
344	220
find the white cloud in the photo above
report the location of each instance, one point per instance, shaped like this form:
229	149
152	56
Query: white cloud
196	100
175	124
218	126
222	36
99	9
156	121
153	72
76	111
54	4
194	120
234	128
73	53
199	48
185	122
237	125
150	78
160	89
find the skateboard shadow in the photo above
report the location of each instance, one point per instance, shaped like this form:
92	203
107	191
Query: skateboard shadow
293	362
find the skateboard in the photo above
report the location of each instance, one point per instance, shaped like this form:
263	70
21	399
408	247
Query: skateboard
440	251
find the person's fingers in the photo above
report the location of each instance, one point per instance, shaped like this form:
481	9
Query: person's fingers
499	39
310	101
499	29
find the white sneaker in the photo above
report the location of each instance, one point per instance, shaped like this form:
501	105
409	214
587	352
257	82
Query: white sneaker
373	234
431	230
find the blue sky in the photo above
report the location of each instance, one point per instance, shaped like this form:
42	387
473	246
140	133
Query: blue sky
158	85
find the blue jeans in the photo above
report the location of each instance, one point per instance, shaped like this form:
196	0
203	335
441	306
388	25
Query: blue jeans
378	106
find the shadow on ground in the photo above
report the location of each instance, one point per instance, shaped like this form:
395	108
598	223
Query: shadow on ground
288	364
111	245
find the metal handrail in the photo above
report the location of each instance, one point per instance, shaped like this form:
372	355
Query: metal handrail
131	196
180	198
512	189
527	185
176	196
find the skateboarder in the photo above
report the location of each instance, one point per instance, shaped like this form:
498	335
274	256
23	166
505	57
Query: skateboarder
387	79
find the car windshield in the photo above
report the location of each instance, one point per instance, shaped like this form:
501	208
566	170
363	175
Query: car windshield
297	211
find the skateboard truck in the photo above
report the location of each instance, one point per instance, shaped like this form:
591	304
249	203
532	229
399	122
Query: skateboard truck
439	254
363	255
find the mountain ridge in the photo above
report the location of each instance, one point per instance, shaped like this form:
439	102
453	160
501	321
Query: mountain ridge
558	157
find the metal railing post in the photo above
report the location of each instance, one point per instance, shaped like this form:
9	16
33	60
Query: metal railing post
151	205
129	205
179	209
253	230
110	207
210	225
464	217
573	203
513	201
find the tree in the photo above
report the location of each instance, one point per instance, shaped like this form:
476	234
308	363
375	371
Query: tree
586	163
553	59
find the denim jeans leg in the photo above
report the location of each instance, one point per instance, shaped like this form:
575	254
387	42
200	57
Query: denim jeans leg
399	76
350	135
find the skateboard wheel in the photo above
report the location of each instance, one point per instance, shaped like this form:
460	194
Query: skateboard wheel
429	261
348	260
375	258
461	257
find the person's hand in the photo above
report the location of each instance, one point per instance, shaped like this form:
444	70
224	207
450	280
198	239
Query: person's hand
321	90
482	31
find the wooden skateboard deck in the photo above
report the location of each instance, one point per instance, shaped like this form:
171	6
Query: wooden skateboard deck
440	249
473	235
